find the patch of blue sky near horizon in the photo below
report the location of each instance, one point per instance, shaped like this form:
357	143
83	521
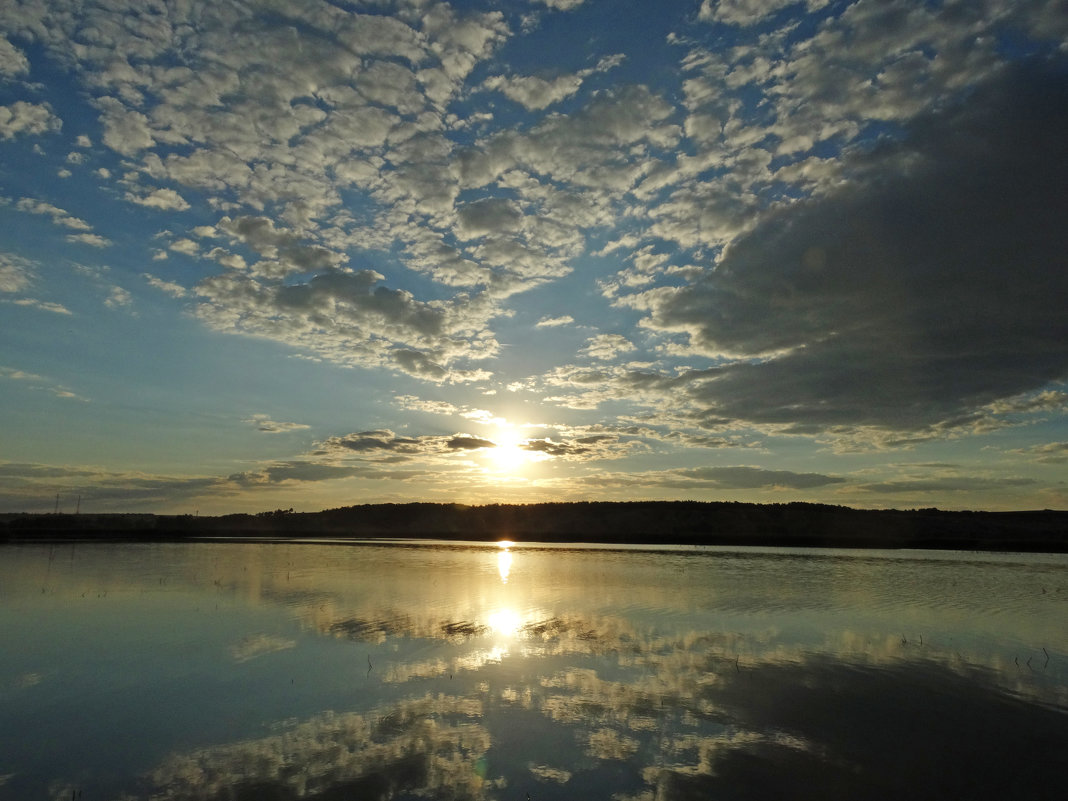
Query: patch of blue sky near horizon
595	162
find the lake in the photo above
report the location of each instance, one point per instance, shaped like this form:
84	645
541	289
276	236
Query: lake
222	670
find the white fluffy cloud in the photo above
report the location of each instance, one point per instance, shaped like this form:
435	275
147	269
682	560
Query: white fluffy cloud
93	240
162	199
27	118
12	60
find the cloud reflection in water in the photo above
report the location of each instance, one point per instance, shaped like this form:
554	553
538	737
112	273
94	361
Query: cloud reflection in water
627	675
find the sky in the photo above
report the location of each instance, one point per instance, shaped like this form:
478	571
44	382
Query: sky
303	254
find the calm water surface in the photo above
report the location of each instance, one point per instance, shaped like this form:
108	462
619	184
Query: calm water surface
326	671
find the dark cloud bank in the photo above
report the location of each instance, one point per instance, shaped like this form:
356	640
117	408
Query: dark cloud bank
930	285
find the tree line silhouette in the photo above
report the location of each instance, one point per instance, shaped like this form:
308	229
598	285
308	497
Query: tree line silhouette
637	522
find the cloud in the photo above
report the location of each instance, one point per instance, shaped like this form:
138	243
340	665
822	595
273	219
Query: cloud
576	445
715	478
38	382
747	12
465	442
340	751
547	773
59	216
27	118
489	216
12	60
583	447
43	305
561	5
162	199
535	93
364	117
943	484
16	273
555	322
185	246
532	92
1047	401
375	443
117	298
426	367
264	423
1049	453
127	132
920	291
756	478
95	240
371	441
593	148
606	346
430	406
606	743
344	316
171	288
257	645
294	471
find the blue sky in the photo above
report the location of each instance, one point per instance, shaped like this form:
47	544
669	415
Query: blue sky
311	254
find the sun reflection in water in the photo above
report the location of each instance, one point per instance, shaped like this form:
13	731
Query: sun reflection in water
504	622
504	560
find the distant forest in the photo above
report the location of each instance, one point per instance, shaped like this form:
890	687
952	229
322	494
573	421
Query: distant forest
641	522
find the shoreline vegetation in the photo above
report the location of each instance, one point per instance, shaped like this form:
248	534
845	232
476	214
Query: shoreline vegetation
636	522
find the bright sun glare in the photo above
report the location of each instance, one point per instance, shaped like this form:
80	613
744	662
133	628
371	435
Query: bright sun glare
504	622
509	454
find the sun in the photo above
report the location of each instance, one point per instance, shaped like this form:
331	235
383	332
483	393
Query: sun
509	455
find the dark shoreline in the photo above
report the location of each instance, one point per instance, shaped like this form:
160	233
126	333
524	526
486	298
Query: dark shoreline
638	522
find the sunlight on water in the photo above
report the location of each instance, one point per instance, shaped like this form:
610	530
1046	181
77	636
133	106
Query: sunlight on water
504	561
187	672
504	622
